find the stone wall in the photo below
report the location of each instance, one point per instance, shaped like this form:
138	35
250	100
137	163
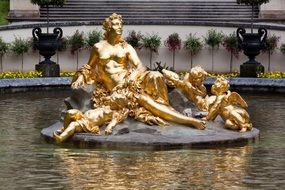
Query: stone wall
68	62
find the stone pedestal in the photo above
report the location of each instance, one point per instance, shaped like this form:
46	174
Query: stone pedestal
132	134
251	70
23	9
273	10
48	70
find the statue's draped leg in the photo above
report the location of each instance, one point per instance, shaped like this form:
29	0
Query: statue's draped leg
168	113
153	84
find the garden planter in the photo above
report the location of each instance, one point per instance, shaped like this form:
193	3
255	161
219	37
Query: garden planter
251	44
47	44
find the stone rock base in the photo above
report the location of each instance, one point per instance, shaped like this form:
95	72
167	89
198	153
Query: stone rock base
136	135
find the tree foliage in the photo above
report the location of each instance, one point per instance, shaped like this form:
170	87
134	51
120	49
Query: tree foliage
152	42
271	43
193	44
213	38
62	44
135	39
230	42
173	42
76	41
3	47
282	48
93	37
20	46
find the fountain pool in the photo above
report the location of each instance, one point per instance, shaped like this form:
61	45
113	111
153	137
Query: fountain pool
29	162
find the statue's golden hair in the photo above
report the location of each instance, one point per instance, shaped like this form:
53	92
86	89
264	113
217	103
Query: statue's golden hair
107	24
221	85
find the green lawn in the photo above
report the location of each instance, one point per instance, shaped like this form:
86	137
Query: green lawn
4	8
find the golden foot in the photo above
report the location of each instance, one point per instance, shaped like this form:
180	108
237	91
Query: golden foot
108	131
243	130
200	125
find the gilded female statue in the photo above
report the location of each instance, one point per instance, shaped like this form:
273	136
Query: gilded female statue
114	65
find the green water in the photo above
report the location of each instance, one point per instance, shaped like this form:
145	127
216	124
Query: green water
28	162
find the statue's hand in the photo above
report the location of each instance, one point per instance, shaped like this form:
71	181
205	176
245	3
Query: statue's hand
79	82
108	131
171	76
152	120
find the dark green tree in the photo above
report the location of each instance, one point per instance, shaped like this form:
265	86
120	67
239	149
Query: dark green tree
20	46
135	39
282	48
3	50
92	38
230	42
76	43
151	42
193	44
270	46
213	39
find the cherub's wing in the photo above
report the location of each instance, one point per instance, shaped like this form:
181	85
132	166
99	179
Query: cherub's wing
236	99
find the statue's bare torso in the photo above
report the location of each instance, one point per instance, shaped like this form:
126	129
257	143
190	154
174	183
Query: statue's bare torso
112	62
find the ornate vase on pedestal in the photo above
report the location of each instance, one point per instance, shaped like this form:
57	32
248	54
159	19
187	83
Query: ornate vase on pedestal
251	43
47	44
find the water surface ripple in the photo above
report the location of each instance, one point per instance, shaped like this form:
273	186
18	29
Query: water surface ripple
28	162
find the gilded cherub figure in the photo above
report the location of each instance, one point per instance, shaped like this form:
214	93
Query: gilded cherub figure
89	122
229	105
112	110
191	86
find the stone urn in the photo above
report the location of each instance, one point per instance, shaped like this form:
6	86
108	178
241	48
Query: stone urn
251	44
47	44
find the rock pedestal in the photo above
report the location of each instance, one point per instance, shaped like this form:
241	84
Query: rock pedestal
136	135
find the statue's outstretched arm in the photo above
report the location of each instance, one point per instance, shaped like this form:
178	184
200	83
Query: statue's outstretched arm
172	79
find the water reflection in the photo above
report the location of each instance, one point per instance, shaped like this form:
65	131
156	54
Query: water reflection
206	169
28	162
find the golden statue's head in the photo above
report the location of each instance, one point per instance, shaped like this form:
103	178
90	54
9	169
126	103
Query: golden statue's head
113	22
220	86
197	75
